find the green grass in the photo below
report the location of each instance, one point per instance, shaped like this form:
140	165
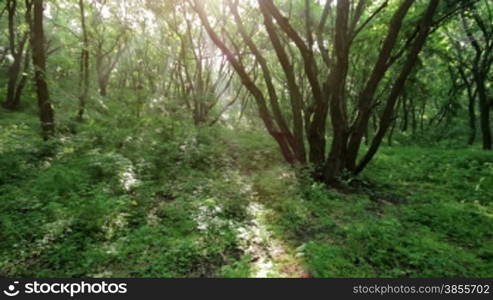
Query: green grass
64	212
428	213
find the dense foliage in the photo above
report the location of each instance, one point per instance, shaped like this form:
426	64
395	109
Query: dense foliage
224	138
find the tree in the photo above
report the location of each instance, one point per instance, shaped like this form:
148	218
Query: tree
471	37
483	59
202	76
84	64
17	73
37	39
327	72
110	43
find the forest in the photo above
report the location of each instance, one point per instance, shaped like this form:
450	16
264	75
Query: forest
254	138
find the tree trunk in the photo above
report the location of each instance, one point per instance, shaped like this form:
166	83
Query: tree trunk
484	113
12	101
14	70
480	69
258	96
84	65
23	80
405	114
309	118
335	163
46	113
471	107
366	98
103	86
388	113
472	118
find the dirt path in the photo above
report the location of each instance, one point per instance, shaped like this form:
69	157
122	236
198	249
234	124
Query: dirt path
270	257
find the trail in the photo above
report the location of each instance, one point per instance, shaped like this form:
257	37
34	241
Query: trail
270	257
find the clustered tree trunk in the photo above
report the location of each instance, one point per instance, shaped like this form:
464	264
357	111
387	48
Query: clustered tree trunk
328	94
481	66
473	67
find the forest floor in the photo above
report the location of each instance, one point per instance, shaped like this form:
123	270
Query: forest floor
164	199
270	256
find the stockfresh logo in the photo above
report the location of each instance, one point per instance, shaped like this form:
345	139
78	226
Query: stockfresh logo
12	290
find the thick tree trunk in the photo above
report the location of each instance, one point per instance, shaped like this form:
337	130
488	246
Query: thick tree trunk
336	159
46	113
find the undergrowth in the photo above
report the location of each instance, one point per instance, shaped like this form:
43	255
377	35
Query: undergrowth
158	197
428	213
